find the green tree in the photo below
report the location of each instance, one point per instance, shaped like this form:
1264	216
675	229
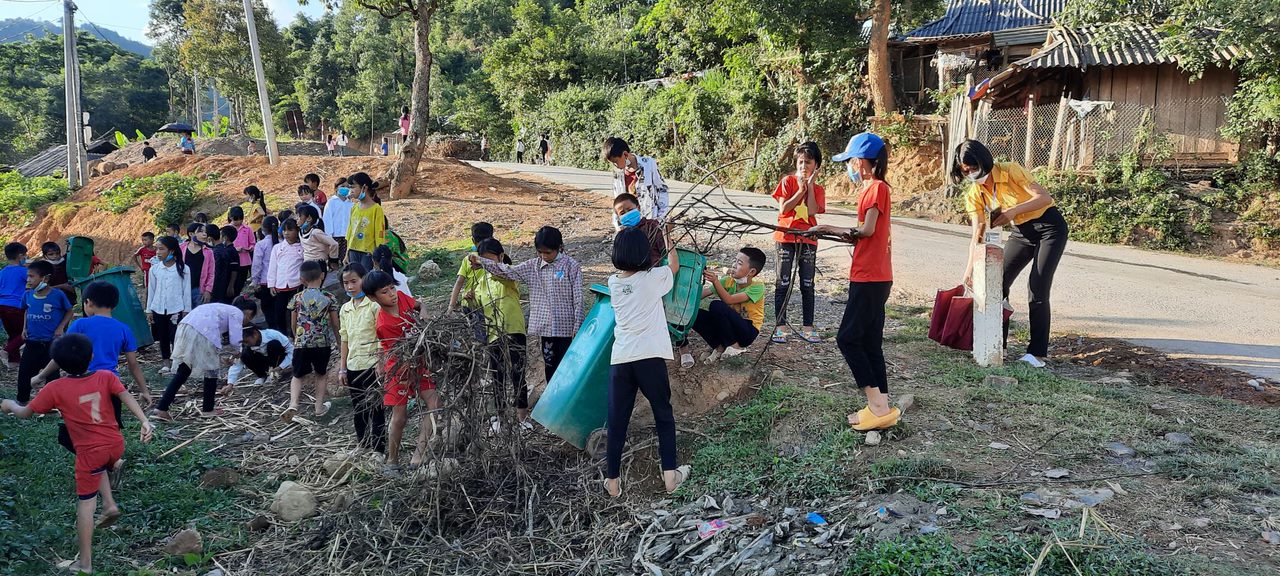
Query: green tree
216	46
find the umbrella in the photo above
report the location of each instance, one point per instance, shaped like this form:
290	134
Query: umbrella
176	127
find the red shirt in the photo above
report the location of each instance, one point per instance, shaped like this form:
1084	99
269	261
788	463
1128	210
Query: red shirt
85	404
787	189
390	328
147	254
872	257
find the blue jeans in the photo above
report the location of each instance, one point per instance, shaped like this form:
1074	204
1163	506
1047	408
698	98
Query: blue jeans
196	297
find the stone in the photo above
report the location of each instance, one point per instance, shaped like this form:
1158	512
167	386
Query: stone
1200	522
219	478
337	465
873	438
777	375
1056	473
259	523
722	396
293	502
1119	449
342	500
185	542
1254	383
998	446
1177	438
1271	537
995	380
906	402
428	271
1161	409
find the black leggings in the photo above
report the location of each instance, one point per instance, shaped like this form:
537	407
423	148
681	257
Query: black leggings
553	350
180	377
369	414
506	359
861	336
649	376
788	253
35	356
163	329
267	302
260	363
1040	242
721	326
280	311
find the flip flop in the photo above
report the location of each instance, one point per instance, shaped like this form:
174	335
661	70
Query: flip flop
611	494
156	415
106	520
327	407
779	337
867	420
216	413
812	337
288	415
684	472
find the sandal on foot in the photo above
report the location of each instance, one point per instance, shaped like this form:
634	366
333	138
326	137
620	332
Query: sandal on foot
610	493
107	519
161	416
684	472
867	420
779	337
327	406
288	414
216	413
812	337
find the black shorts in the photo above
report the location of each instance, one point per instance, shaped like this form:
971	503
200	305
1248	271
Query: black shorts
308	360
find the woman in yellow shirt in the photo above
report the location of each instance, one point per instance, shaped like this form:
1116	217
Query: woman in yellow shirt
367	228
1001	193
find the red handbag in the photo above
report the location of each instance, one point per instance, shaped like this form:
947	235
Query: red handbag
953	319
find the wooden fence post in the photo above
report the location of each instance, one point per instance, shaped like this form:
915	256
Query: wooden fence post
1056	146
1031	130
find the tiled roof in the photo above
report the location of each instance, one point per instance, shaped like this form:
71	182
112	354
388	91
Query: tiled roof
978	17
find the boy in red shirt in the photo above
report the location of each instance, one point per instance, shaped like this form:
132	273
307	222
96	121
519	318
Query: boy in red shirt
396	315
83	399
144	255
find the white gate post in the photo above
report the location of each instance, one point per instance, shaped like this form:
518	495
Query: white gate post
988	307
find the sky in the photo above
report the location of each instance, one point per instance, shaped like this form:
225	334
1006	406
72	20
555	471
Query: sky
129	17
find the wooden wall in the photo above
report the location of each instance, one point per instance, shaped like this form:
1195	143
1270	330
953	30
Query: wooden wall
1190	112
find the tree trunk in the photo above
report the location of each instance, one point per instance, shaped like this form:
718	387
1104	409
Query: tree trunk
405	170
878	60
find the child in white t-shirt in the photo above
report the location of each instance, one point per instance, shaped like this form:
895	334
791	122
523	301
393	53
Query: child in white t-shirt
641	349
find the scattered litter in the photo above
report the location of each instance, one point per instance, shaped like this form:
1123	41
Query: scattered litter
1056	473
998	446
709	529
816	519
1050	513
885	513
1073	498
994	380
929	528
1271	537
1119	449
1200	522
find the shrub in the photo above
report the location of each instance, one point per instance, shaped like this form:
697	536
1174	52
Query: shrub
178	196
20	196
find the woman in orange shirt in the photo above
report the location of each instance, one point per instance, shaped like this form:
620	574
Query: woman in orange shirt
1002	193
800	200
861	336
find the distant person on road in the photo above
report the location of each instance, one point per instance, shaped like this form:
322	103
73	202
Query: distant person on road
148	153
1002	193
342	143
385	146
187	143
544	149
861	336
638	176
331	144
800	200
484	148
404	124
519	150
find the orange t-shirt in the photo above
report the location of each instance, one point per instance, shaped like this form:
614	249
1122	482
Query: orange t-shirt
787	189
872	256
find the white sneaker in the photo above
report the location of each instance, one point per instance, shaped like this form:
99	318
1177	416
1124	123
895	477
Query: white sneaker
686	361
1032	361
711	357
259	381
731	351
166	369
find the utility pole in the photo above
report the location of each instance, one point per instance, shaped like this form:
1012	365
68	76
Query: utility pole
195	79
269	130
72	94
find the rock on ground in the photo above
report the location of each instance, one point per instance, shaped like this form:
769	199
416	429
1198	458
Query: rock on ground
219	478
185	542
293	502
429	271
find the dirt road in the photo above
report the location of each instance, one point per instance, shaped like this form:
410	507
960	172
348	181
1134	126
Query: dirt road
1218	312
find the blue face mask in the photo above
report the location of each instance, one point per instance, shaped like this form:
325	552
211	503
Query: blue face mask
22	261
168	258
343	191
630	218
360	197
854	175
355	295
41	286
306	227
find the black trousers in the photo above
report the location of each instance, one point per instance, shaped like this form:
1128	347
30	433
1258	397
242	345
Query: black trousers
649	376
163	329
35	356
280	310
506	360
721	326
260	363
180	377
520	157
861	336
553	350
789	253
1040	243
369	413
242	277
267	302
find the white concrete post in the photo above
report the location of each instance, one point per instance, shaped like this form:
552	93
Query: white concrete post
988	307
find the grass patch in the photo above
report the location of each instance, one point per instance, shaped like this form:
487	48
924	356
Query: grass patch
20	196
179	195
159	497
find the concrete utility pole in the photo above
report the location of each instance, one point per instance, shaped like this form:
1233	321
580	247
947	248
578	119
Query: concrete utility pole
72	94
988	301
273	153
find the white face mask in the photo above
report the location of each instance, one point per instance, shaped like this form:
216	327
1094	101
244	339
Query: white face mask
978	177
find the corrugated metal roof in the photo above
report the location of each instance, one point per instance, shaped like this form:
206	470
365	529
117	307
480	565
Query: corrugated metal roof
974	17
1126	46
53	160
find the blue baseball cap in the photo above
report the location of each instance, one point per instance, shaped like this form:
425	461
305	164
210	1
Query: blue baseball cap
865	145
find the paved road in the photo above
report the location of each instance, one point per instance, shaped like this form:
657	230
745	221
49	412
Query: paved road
1219	312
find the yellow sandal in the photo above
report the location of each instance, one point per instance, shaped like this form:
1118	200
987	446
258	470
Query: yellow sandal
867	420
